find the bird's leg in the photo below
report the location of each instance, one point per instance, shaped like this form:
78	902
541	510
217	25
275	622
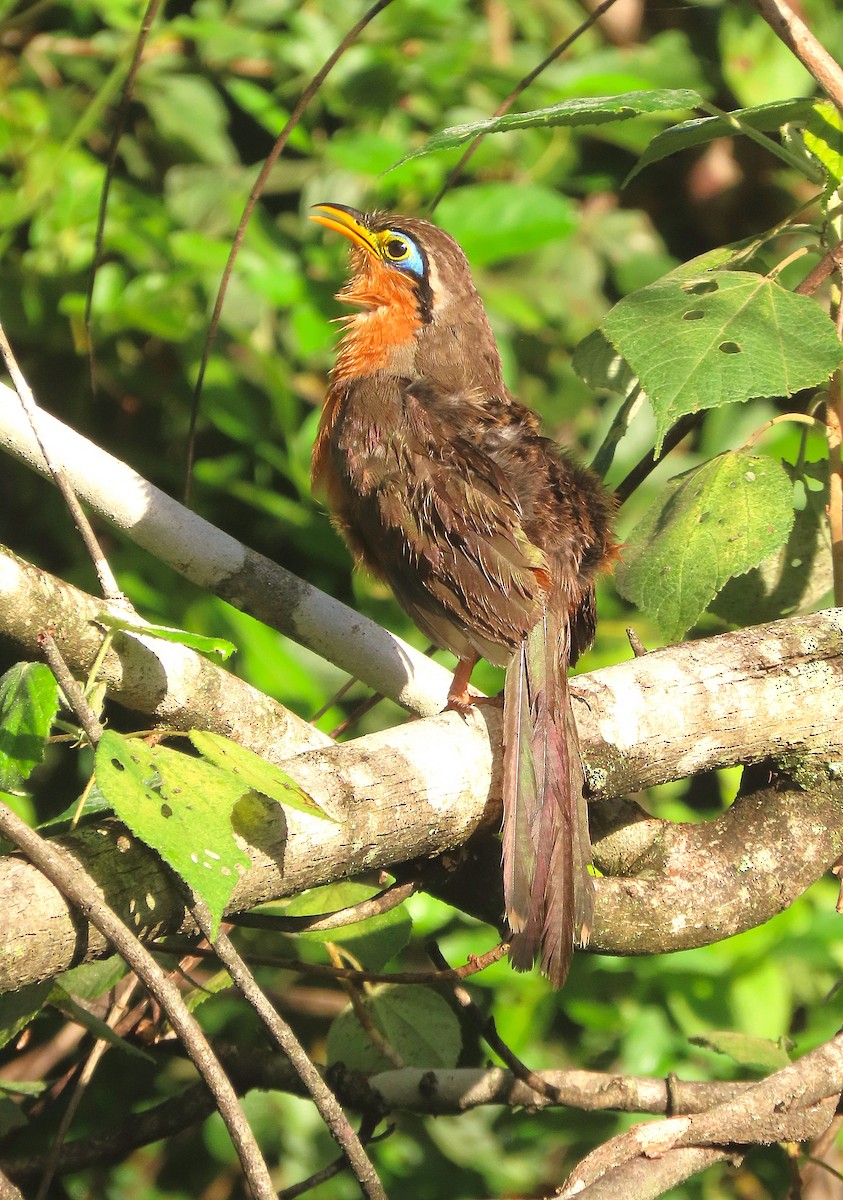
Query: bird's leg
459	698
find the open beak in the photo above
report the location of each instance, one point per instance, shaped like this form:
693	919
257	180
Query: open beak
347	221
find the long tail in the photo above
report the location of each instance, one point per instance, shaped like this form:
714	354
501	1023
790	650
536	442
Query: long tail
548	892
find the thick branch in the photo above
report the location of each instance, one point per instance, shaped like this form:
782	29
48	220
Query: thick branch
167	682
425	787
213	560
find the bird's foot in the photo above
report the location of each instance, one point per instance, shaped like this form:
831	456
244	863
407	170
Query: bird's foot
460	699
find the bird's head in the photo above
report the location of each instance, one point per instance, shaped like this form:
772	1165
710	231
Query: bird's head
414	285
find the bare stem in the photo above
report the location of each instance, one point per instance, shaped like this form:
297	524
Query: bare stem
804	45
66	874
324	1099
27	401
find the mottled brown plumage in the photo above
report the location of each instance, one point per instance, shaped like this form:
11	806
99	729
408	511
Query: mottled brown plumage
488	535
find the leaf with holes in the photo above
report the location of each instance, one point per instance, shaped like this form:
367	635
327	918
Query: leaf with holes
418	1025
181	807
255	772
719	520
700	341
797	576
29	701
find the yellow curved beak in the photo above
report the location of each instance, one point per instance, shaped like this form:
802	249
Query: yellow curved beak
347	221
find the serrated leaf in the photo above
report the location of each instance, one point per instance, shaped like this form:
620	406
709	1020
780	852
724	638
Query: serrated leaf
255	772
219	647
764	117
716	521
373	942
29	701
582	110
416	1022
181	807
65	1003
823	136
18	1008
701	341
756	1053
794	578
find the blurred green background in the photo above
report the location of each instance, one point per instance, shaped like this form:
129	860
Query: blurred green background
554	240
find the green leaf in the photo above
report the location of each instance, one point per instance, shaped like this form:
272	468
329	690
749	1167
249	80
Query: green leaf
582	110
823	136
65	1003
699	132
699	341
255	772
598	364
180	806
220	981
195	641
416	1022
18	1008
495	221
754	1053
711	523
794	578
372	942
29	701
91	980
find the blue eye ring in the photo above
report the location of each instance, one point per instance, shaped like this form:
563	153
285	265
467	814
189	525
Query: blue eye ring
402	252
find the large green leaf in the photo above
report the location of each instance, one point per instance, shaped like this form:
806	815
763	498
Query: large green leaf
582	110
699	341
29	701
798	575
415	1021
716	521
180	806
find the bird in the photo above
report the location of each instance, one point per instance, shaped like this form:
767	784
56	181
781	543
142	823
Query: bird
488	534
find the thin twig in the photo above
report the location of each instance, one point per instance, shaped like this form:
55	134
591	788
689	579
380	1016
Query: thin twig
66	874
367	1128
122	998
519	89
799	39
474	966
831	261
487	1029
374	906
108	583
326	1102
649	462
110	159
72	691
255	194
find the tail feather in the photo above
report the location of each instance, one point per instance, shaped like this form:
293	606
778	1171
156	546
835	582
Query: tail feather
548	891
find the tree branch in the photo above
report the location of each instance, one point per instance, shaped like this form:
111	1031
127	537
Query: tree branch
426	787
213	560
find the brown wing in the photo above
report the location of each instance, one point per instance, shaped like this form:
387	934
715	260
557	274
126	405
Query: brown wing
428	510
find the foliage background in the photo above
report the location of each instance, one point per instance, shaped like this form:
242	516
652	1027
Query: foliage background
555	240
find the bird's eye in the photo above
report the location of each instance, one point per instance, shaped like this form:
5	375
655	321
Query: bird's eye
397	249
